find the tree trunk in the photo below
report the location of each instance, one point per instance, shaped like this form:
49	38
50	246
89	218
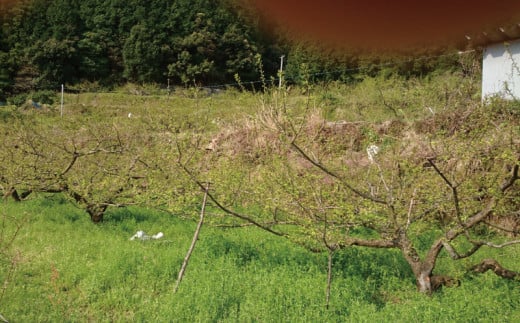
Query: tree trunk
96	212
422	269
427	282
424	283
12	192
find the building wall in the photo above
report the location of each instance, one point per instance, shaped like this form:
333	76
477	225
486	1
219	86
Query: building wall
501	70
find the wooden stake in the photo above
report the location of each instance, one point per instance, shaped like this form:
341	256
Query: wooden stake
281	72
329	277
61	107
193	241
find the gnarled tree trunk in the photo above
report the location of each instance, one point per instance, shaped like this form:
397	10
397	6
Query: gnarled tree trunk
96	212
13	192
423	280
422	269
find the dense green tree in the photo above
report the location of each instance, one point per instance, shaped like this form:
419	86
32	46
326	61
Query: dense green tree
195	52
5	80
5	67
64	19
95	63
67	41
141	54
57	61
48	42
102	42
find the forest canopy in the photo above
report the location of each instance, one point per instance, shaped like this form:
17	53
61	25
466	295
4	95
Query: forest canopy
45	43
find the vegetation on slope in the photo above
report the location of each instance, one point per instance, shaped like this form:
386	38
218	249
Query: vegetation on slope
293	162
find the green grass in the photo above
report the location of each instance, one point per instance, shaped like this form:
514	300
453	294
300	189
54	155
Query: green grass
68	269
197	107
374	99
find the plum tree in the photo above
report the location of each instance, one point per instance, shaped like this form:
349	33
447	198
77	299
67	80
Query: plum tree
430	186
95	164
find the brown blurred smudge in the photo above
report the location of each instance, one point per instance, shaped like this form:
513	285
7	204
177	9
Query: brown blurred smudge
388	24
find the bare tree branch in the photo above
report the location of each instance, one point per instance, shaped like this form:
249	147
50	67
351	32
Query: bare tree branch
337	177
75	157
225	209
453	188
391	108
478	217
247	224
514	177
498	246
329	278
476	246
372	243
501	228
493	265
455	255
410	208
469	223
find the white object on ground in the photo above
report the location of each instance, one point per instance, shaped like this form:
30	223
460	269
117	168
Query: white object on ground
158	235
141	235
372	151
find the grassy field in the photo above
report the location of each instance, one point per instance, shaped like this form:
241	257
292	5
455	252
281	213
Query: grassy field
61	267
57	266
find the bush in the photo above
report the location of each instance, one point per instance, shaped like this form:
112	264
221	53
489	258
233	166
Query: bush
17	100
44	97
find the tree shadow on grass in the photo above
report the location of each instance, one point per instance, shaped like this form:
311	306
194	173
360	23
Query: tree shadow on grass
378	269
369	263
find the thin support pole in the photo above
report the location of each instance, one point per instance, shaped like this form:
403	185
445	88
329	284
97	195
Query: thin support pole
61	108
193	241
280	77
329	277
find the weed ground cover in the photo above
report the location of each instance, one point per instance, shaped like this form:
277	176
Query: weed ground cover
68	269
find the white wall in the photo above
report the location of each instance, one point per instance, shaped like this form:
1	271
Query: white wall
501	70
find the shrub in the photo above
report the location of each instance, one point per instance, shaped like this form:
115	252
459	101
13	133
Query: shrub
44	97
17	100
